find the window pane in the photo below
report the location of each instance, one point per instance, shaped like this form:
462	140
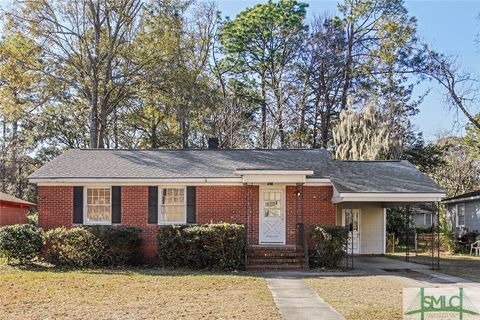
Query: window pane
173	196
173	213
98	205
461	215
272	204
428	219
172	206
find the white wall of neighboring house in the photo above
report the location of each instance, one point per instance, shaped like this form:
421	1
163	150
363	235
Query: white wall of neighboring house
472	214
372	225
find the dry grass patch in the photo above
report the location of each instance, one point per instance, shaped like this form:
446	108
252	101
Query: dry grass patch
364	297
132	294
464	266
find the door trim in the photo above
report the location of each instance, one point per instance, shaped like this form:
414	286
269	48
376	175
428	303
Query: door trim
359	226
283	189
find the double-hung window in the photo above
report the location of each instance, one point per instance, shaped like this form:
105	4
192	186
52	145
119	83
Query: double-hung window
428	219
98	205
460	215
172	205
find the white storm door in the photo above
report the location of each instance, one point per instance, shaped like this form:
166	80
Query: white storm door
272	216
351	218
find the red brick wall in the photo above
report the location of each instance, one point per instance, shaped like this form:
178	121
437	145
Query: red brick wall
55	207
317	208
214	204
11	214
228	204
134	213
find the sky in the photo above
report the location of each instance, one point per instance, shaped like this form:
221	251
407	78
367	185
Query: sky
449	26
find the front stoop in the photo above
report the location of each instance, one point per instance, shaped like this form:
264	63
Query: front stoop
275	258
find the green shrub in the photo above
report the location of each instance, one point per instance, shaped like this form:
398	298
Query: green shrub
329	245
75	247
120	245
21	242
91	246
210	246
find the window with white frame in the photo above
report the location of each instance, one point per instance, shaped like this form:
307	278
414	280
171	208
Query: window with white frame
428	219
460	215
172	202
98	205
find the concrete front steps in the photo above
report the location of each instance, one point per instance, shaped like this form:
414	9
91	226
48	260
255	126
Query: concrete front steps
275	258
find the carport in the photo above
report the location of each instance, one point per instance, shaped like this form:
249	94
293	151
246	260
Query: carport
366	216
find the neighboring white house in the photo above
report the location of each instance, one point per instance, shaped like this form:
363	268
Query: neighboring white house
463	211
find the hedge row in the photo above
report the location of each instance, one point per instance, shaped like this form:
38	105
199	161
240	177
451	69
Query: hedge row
93	246
210	246
75	247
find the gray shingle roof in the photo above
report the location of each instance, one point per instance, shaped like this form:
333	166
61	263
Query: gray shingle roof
347	176
201	163
381	176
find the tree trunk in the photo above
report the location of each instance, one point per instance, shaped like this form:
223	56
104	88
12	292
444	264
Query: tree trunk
115	128
101	131
347	72
94	118
263	123
3	164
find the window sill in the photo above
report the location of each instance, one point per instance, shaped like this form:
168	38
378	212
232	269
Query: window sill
98	224
170	223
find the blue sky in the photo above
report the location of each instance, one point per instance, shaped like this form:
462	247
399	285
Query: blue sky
450	26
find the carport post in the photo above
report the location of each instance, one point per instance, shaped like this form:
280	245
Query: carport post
407	227
438	234
351	224
433	237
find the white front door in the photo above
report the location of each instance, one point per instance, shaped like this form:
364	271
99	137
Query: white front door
351	218
272	216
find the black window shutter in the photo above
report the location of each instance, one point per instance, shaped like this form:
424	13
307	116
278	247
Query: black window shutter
77	204
153	205
191	205
116	204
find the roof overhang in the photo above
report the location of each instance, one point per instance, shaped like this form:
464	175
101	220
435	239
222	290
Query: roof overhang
387	197
135	181
17	204
457	200
274	176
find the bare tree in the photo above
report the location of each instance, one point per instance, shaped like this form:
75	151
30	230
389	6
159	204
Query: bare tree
322	66
463	89
87	51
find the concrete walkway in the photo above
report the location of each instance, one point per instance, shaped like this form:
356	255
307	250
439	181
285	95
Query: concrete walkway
296	301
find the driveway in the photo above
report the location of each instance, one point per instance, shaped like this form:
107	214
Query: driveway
295	299
419	272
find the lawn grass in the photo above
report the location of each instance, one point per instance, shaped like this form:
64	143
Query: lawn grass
464	266
132	294
364	297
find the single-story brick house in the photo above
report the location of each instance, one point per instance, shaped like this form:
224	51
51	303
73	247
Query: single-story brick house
13	210
277	194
